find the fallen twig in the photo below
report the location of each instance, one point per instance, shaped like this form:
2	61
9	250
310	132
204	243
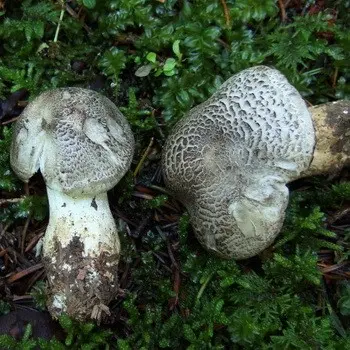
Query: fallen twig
33	242
24	273
283	10
226	13
11	200
24	233
144	156
75	15
9	121
335	77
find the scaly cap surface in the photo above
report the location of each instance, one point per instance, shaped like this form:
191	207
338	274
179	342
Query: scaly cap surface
77	137
228	160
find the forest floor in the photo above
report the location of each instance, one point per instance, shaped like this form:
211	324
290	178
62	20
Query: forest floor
156	60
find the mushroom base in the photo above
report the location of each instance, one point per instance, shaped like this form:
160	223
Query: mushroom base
81	254
332	126
81	287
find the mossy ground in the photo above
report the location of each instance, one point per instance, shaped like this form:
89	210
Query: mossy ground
156	59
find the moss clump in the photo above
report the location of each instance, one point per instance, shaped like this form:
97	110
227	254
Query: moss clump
175	295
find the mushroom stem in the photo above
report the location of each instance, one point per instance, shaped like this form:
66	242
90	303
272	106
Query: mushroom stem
332	126
81	253
88	218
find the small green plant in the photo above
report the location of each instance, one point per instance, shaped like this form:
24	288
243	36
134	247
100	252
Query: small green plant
79	336
34	206
4	307
83	335
157	201
142	119
26	343
168	67
8	180
90	4
38	292
344	300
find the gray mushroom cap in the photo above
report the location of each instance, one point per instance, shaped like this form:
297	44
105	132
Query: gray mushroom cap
77	137
229	159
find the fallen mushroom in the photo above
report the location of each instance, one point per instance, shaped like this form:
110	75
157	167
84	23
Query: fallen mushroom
229	159
83	146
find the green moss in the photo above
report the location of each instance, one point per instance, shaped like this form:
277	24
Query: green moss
8	180
278	300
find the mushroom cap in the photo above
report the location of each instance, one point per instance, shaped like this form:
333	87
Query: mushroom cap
229	159
77	137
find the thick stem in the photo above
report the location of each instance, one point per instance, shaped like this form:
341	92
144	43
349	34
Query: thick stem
87	218
332	127
81	253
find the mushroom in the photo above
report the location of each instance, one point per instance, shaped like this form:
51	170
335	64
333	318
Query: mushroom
332	125
229	159
83	146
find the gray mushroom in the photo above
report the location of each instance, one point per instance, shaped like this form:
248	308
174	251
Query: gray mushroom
83	146
229	160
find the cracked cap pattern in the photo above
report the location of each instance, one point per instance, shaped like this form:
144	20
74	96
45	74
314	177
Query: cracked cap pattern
77	137
229	159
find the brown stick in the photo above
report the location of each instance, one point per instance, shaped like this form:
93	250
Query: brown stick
33	242
335	77
11	200
226	13
24	233
24	273
9	121
283	10
76	15
144	156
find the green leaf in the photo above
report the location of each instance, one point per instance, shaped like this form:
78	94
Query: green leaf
158	72
28	31
112	62
123	344
183	98
27	332
176	49
169	64
38	28
69	339
169	73
65	322
90	4
189	334
151	57
4	307
8	342
344	301
143	71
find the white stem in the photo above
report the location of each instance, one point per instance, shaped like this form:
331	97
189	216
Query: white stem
81	254
87	218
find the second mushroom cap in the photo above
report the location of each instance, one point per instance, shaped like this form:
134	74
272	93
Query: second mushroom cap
229	160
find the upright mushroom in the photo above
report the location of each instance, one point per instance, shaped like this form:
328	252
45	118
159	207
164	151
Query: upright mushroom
83	146
229	160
